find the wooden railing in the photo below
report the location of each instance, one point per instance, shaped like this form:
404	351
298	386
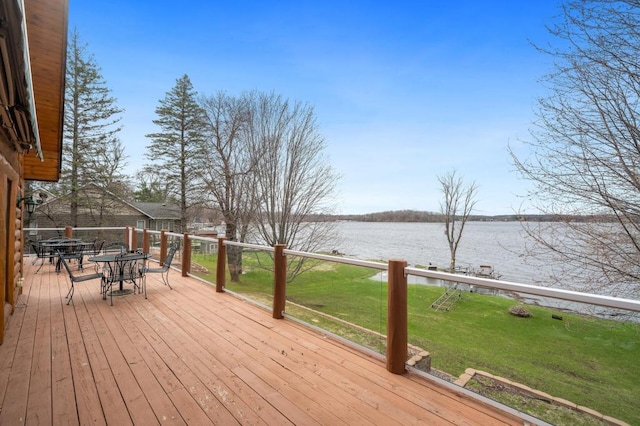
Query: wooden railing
398	271
396	327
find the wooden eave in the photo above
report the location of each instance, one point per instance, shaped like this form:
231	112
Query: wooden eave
47	33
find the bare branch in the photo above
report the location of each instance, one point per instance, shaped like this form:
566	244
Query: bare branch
585	146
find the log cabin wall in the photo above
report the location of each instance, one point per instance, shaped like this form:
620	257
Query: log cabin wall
32	69
14	137
11	233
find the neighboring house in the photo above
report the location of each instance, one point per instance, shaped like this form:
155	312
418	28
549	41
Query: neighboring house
33	41
98	207
159	216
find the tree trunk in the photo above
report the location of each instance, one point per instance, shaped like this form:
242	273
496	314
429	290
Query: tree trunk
234	253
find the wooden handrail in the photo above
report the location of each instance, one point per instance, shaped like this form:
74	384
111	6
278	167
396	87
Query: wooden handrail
397	314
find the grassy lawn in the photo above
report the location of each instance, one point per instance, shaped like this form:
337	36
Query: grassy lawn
594	363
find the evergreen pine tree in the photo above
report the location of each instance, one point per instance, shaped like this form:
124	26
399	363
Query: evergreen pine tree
92	151
175	150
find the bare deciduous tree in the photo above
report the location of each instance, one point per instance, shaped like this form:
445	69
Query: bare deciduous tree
293	179
228	171
458	202
585	147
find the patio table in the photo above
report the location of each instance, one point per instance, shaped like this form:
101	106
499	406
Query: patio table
120	268
62	246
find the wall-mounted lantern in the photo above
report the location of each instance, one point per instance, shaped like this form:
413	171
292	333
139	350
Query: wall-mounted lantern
29	203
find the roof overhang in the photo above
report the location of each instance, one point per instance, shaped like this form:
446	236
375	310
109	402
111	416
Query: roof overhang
46	38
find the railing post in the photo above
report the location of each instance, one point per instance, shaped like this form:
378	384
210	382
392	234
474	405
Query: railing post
68	231
279	281
397	333
127	240
186	256
146	244
163	246
134	239
221	273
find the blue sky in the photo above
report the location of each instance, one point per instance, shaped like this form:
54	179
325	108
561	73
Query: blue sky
404	91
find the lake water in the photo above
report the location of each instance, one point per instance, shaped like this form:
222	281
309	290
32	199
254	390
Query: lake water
503	245
499	244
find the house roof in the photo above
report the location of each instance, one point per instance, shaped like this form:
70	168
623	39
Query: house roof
159	211
154	211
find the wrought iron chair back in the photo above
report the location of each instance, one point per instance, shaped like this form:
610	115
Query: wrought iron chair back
115	247
129	267
41	254
75	251
166	265
76	278
97	247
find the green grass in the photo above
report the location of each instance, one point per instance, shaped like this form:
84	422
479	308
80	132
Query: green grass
594	363
553	414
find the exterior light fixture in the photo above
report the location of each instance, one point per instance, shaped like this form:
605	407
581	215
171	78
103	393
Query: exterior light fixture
29	202
26	147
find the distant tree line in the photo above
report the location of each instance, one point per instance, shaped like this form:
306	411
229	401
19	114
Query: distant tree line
436	217
394	216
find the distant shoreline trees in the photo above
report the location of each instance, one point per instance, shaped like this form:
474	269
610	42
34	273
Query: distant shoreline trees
417	216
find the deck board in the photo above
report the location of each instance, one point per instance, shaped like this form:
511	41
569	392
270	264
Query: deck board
217	339
63	408
194	356
41	367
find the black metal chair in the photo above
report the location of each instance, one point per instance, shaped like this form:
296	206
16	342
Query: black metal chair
97	247
114	247
76	278
41	253
125	267
166	265
74	251
45	249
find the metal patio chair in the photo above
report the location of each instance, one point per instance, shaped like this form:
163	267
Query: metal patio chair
41	254
97	247
76	278
127	267
75	251
166	265
114	247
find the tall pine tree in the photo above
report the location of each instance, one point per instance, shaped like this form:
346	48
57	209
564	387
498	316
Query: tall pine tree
175	150
92	151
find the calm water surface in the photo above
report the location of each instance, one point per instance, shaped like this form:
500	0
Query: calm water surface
499	244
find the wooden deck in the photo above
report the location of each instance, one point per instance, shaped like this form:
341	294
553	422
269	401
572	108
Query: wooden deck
194	356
